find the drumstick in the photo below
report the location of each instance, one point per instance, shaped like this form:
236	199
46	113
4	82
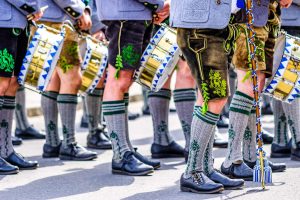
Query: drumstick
31	16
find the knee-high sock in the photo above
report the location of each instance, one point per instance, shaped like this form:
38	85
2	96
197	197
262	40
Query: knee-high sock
281	126
208	161
6	120
67	109
240	108
201	131
50	111
21	115
184	101
84	108
114	114
126	101
292	112
249	138
159	109
93	103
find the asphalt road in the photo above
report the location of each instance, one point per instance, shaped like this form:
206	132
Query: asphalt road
56	179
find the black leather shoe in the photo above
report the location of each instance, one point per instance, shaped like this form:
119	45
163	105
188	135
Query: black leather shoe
98	140
223	122
76	152
173	150
295	152
146	110
278	151
199	183
6	168
155	164
267	137
131	166
84	123
240	171
276	167
219	141
50	151
29	133
228	183
133	116
19	161
16	141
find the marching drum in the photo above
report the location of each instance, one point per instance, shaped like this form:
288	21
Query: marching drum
158	60
285	82
94	54
41	57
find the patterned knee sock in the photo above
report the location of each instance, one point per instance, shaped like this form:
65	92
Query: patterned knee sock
67	109
114	114
21	115
240	109
184	101
208	161
6	120
280	121
292	112
126	101
159	109
93	103
50	111
249	138
201	131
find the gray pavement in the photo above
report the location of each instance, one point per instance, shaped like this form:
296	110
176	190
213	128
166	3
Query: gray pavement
57	179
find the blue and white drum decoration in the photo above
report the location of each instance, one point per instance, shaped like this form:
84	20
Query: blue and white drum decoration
158	60
41	57
285	82
95	55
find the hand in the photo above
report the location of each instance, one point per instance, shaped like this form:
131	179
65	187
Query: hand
85	22
285	3
35	17
163	13
99	35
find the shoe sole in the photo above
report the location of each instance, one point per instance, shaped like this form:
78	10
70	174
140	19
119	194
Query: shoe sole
167	156
28	168
156	167
185	189
280	155
63	157
120	172
10	172
97	147
234	187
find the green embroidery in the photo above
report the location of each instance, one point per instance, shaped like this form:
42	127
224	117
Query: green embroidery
205	96
248	136
162	128
206	160
91	120
231	135
7	61
292	128
63	63
185	127
115	142
4	124
282	121
51	126
129	55
18	106
194	150
218	84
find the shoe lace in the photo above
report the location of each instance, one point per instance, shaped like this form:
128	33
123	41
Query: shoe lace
197	178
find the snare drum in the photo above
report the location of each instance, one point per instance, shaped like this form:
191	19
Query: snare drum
285	82
94	54
158	60
41	57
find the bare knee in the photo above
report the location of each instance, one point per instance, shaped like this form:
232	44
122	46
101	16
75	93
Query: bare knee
4	85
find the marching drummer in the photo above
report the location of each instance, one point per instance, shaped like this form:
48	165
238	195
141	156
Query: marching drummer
288	114
242	117
61	93
128	27
13	31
